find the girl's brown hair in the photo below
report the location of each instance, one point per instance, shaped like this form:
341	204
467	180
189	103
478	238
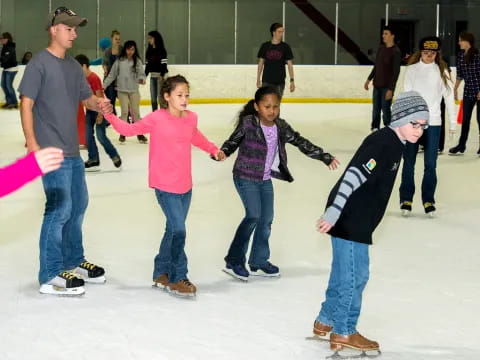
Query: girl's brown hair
442	65
470	38
168	86
8	36
114	32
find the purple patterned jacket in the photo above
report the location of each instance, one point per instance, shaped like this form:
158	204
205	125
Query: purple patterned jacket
250	164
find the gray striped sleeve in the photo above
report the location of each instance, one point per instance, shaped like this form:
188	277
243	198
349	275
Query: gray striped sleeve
352	180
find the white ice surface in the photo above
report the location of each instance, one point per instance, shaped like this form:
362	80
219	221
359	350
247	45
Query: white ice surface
421	301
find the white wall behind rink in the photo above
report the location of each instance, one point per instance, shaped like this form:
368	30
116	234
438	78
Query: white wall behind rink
229	82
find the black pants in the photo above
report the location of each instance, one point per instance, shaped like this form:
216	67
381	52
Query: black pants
468	105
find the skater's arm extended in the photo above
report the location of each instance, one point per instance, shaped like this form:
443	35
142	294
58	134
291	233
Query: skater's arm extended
305	146
233	142
112	75
199	140
141	127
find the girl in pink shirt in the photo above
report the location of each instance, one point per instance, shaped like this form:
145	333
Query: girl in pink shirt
173	130
28	168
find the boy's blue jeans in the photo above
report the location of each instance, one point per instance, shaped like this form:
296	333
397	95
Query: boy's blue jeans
348	277
61	235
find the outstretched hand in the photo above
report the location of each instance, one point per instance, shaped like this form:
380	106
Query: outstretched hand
334	164
49	159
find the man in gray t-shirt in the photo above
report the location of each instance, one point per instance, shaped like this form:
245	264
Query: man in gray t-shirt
52	86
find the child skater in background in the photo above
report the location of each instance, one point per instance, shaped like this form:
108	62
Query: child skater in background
261	136
94	120
128	71
173	130
354	209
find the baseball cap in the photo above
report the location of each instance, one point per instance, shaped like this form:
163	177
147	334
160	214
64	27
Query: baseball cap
63	15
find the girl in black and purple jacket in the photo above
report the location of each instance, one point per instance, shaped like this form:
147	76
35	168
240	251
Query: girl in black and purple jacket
261	136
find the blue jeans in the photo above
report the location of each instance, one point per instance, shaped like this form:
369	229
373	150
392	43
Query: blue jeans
348	277
468	105
155	85
429	182
257	198
90	119
61	235
381	105
7	87
171	258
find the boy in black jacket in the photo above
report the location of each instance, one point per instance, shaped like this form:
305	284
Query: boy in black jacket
354	208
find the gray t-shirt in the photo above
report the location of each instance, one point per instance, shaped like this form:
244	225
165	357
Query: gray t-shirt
56	86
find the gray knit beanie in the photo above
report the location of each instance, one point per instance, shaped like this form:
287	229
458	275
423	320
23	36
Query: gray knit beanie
409	106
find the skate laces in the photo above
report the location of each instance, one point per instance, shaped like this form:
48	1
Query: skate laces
186	282
87	265
67	276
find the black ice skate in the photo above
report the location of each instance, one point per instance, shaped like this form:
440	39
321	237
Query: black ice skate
64	284
406	207
92	165
91	273
429	209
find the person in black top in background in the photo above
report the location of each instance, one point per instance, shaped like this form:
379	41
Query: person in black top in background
156	65
384	74
9	65
272	57
355	207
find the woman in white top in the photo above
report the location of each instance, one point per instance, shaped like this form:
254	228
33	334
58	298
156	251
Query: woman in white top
428	74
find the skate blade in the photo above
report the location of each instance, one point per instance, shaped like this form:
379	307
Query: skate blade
406	213
235	276
325	339
92	170
97	280
47	289
431	214
175	293
354	354
265	275
159	286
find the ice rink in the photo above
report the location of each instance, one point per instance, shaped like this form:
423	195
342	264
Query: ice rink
421	301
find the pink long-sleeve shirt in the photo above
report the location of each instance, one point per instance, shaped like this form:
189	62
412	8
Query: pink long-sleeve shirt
171	139
16	175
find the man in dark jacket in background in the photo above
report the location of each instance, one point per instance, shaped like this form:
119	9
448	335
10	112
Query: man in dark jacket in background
9	64
384	74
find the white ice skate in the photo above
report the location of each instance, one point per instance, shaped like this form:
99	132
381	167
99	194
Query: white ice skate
406	208
64	284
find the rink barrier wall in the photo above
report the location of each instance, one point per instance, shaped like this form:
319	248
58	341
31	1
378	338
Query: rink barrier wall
227	84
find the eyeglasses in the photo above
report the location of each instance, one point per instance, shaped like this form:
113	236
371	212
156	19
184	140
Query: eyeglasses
62	10
417	125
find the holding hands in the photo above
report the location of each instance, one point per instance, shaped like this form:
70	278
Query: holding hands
219	156
105	106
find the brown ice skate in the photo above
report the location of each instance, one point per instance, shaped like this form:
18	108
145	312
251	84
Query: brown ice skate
161	281
354	341
320	329
182	288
